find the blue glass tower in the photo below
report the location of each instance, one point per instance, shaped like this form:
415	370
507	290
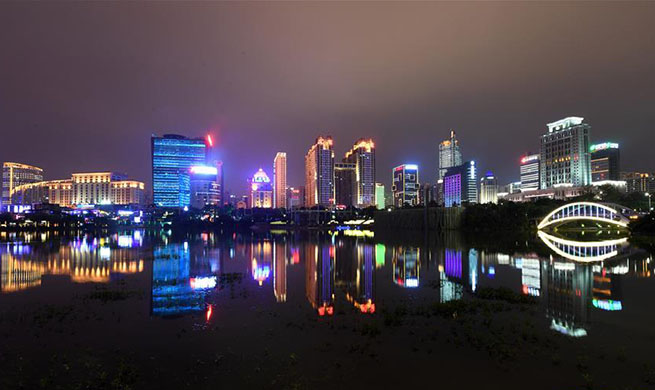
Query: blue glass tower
172	158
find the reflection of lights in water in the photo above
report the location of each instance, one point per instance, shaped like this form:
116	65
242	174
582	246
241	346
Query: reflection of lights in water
609	305
202	282
411	282
209	313
325	309
492	271
567	330
105	253
125	241
260	273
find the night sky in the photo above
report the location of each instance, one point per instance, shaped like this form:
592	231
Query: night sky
83	86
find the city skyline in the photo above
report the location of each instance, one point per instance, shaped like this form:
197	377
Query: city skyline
98	123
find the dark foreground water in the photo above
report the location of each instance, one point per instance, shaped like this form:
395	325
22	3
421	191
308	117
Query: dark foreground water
320	310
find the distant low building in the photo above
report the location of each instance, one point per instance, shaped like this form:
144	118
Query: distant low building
489	188
639	182
379	196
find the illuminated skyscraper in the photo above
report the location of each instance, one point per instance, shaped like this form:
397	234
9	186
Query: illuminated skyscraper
362	155
489	188
460	185
345	184
405	185
319	173
449	154
530	172
261	190
280	180
16	174
605	162
565	158
172	158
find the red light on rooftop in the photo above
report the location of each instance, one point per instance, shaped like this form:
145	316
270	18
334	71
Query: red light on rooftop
210	141
209	313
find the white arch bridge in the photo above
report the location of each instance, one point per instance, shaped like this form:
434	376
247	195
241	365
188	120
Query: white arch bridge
613	214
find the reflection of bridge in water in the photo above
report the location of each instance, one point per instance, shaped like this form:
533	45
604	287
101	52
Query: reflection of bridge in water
583	251
588	211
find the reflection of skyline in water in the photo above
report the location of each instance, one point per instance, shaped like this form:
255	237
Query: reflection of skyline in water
338	271
83	260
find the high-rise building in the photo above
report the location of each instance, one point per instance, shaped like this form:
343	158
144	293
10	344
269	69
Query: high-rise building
530	172
362	155
379	196
280	180
204	186
345	184
489	188
16	174
319	173
605	162
449	154
406	185
261	190
460	185
222	200
565	158
172	158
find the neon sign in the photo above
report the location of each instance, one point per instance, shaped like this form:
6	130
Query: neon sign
204	170
603	146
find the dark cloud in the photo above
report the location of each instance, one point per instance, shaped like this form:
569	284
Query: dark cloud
83	85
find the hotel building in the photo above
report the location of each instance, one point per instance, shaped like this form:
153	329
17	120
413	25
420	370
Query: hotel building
406	185
460	185
280	180
319	173
565	158
172	158
15	175
489	188
362	155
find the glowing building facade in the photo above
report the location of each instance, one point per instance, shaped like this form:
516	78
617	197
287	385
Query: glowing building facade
460	185
564	156
379	196
489	188
15	175
605	162
406	185
362	155
261	190
205	188
94	187
319	173
295	197
530	172
172	158
280	180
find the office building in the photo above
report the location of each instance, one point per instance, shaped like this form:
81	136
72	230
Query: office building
406	185
449	154
564	156
362	155
605	162
345	184
639	182
204	186
530	177
319	173
379	196
489	188
261	190
460	185
16	174
172	158
280	180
